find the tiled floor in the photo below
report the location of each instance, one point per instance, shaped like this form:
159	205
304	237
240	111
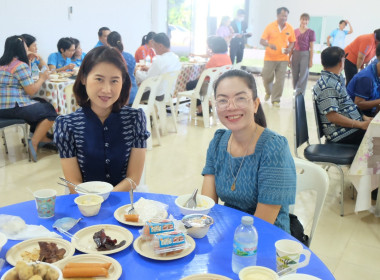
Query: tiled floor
349	246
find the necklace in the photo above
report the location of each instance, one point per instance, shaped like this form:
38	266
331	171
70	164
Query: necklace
233	187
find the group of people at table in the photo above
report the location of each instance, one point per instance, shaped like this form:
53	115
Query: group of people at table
248	166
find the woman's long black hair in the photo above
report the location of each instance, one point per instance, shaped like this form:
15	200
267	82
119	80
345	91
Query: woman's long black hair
14	47
251	84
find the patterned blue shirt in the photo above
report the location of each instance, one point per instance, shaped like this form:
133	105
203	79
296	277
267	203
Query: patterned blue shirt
331	96
267	176
13	78
131	64
102	150
58	61
366	84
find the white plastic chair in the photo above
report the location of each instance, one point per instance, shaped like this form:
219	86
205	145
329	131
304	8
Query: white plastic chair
195	94
152	84
311	176
225	68
169	81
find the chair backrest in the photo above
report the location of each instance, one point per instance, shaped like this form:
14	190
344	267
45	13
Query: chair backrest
312	177
212	73
151	84
169	80
317	120
225	68
301	134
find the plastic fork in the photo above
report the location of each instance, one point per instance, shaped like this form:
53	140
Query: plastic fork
64	232
131	211
192	201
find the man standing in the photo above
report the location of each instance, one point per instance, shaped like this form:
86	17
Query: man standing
360	52
165	61
103	34
278	38
239	38
339	34
340	118
364	88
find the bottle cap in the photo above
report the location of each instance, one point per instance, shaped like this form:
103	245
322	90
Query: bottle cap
247	220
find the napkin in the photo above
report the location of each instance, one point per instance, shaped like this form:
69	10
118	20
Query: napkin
15	228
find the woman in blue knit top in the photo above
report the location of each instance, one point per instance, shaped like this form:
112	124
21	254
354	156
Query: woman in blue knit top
248	166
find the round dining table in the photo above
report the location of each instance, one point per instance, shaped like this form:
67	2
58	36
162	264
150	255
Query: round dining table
212	253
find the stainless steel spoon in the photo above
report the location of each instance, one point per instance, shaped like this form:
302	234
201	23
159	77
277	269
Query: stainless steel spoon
192	201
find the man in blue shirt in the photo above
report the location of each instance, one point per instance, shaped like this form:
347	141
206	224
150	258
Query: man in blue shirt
340	117
61	60
339	34
364	88
103	34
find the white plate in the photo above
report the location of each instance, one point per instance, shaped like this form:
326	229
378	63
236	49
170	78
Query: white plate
114	272
144	248
119	215
59	80
84	242
14	254
299	276
207	276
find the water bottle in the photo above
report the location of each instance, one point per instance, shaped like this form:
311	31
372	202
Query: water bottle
245	245
148	60
35	71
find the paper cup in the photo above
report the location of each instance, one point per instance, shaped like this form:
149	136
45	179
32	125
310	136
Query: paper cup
45	202
283	50
142	61
257	273
288	254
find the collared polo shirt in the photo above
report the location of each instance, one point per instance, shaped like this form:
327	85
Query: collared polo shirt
364	44
58	61
280	39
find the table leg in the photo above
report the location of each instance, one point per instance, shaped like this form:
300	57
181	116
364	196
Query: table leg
377	207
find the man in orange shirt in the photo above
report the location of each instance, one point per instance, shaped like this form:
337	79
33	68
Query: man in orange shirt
360	52
278	38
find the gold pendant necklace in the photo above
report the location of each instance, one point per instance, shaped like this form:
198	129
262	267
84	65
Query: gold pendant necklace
233	187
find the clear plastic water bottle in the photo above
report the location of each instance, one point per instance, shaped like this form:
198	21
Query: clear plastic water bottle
35	71
245	245
148	60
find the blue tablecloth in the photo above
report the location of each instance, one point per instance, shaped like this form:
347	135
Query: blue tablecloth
211	255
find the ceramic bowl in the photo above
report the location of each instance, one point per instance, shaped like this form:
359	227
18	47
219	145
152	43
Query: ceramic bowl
103	188
89	204
204	204
60	277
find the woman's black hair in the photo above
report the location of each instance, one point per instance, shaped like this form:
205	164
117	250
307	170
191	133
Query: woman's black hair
217	44
14	47
65	44
114	40
29	39
93	58
162	38
146	38
75	42
251	84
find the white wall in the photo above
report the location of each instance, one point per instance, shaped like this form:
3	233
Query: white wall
364	20
48	21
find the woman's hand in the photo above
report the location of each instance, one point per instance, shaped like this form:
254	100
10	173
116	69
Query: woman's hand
44	75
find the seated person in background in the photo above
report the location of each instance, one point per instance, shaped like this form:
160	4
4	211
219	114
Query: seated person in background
114	40
104	140
364	88
146	48
102	34
340	117
165	62
219	57
248	166
79	55
61	60
17	89
32	47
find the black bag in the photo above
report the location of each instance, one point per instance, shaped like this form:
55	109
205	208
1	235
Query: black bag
297	231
